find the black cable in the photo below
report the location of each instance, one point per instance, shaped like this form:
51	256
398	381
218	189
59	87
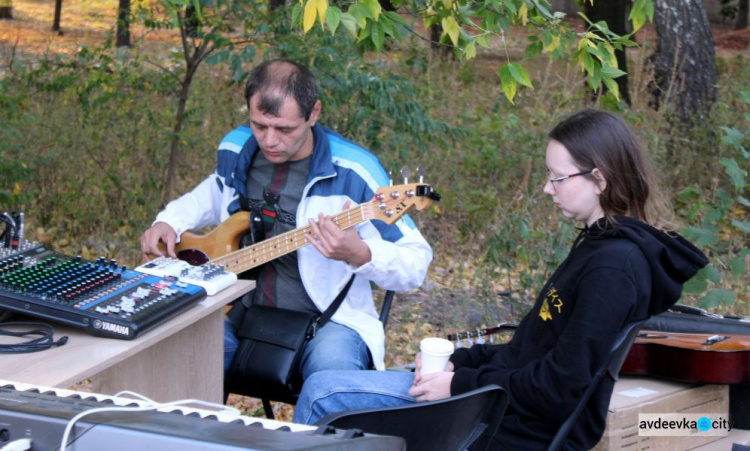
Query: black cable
45	338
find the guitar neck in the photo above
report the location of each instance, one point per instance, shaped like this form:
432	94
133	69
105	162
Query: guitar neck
482	332
272	248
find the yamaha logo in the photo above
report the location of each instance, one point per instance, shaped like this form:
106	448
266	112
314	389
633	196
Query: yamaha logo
111	327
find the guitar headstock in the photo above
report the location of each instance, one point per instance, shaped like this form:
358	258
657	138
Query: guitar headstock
390	203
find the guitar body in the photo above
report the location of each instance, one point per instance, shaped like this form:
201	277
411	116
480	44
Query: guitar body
692	358
224	239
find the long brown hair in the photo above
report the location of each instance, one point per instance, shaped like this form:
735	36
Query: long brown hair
602	140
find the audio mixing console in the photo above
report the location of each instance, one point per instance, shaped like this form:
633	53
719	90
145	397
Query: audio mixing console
101	297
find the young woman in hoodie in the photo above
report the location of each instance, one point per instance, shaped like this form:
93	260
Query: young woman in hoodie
622	267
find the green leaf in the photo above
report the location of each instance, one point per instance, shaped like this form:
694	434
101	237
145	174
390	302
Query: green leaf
507	83
219	57
374	7
395	17
641	11
470	51
714	298
742	225
612	86
737	266
732	137
712	273
735	173
743	201
519	74
377	34
695	285
350	23
612	72
333	18
705	236
533	49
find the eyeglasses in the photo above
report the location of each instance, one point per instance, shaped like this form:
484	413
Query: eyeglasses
565	177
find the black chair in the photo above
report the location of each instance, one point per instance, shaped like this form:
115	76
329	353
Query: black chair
245	387
611	368
450	424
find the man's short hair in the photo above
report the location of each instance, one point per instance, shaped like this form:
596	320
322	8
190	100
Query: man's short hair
279	79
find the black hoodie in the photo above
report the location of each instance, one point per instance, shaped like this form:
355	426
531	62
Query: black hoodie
613	275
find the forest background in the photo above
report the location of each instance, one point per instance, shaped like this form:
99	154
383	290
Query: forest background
87	149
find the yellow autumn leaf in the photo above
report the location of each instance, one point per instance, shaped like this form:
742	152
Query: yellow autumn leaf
322	8
450	26
308	19
553	45
16	189
523	13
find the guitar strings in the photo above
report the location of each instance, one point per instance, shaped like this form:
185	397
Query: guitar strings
247	258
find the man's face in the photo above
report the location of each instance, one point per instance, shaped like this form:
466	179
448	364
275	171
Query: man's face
286	137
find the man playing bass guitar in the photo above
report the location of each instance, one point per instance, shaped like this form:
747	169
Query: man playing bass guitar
292	172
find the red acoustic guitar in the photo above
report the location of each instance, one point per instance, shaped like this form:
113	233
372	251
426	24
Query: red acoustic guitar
692	358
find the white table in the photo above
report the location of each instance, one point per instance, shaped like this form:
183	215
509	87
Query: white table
179	359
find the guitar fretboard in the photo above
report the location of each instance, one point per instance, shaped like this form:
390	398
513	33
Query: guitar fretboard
274	247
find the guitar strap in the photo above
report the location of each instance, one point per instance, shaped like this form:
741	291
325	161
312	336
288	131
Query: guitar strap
257	231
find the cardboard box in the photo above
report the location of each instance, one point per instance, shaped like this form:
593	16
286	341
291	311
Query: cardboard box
735	437
634	395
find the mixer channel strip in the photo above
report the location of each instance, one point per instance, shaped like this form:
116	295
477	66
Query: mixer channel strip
211	278
101	297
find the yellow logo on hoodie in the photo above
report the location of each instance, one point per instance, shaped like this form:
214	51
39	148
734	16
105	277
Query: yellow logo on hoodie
551	298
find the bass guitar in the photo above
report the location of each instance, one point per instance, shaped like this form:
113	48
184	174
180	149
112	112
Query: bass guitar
689	357
221	246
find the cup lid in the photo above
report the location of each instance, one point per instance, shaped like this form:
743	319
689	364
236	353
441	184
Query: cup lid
436	345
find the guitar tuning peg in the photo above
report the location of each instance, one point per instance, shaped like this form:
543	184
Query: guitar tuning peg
420	172
405	173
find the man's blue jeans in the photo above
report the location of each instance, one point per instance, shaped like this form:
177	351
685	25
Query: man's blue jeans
334	347
326	392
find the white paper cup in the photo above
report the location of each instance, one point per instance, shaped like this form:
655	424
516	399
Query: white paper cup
435	354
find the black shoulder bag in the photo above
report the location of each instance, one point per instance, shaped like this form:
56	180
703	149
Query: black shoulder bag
271	341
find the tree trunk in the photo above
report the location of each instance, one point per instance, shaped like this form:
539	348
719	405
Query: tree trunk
683	66
56	20
743	10
123	24
6	12
615	14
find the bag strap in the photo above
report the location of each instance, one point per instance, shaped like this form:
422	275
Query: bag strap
322	319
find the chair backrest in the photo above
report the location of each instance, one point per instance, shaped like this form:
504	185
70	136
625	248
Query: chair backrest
447	424
612	366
